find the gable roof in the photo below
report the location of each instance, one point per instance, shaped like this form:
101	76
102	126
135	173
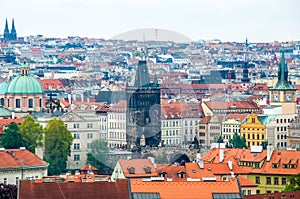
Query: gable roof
139	166
15	158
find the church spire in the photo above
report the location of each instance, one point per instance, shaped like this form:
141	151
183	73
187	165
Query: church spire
245	77
282	79
13	33
13	29
6	31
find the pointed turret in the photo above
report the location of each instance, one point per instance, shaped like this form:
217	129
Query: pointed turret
142	75
282	82
245	77
13	34
6	31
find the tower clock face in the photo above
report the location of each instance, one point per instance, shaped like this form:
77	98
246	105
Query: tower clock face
288	97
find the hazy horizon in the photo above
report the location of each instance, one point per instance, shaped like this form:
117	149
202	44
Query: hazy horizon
231	20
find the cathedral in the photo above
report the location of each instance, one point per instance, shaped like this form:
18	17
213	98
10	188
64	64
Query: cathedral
10	35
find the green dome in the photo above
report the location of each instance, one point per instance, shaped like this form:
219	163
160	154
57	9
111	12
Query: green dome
3	87
25	84
4	112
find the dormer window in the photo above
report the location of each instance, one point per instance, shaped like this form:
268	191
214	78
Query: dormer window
131	170
147	170
163	174
181	174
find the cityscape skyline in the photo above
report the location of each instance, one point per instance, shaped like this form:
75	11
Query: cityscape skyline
228	21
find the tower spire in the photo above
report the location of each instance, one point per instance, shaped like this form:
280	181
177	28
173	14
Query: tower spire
13	33
6	31
245	77
13	29
282	82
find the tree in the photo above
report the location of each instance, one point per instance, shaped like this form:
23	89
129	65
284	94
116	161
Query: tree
238	141
11	138
294	183
219	139
58	141
31	134
98	156
8	191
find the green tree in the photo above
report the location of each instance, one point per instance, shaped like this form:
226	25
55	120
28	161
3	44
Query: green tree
294	183
58	141
238	141
31	134
98	156
11	138
219	139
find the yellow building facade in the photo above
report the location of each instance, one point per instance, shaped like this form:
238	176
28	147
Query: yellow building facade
254	131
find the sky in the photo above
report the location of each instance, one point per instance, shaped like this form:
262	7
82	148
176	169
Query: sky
228	20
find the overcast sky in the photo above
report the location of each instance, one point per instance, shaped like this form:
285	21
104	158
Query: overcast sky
228	20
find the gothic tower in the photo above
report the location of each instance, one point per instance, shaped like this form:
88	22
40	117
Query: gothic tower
6	34
245	77
13	32
283	93
143	109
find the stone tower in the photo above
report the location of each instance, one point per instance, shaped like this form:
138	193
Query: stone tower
143	109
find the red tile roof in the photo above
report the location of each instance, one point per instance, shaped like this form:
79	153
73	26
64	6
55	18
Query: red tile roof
139	166
52	84
14	158
228	105
184	189
116	190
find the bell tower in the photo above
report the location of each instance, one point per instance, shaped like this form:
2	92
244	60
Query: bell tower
283	93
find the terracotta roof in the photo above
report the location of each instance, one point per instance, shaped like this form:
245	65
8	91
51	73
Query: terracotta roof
228	105
5	122
52	84
246	183
14	158
236	155
139	166
116	190
184	189
240	117
119	107
89	167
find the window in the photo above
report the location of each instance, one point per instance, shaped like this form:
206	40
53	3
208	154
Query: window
76	136
89	145
76	157
249	192
253	120
30	103
283	181
18	103
268	180
257	191
76	146
5	181
75	126
89	125
17	180
276	181
90	135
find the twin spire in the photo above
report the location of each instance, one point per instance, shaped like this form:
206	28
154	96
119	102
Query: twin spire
10	35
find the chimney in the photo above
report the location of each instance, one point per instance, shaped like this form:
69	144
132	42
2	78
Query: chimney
22	148
229	165
152	160
201	164
39	152
221	155
70	98
270	149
